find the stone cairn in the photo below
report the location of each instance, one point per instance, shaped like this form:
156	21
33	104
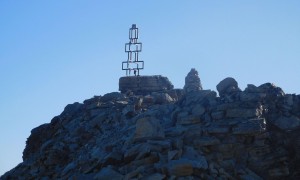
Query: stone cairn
192	81
250	134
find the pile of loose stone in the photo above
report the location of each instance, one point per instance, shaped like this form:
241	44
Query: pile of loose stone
172	134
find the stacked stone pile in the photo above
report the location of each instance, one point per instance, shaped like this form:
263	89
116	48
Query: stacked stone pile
250	134
192	81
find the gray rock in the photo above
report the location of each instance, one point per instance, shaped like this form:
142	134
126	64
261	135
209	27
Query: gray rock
71	109
181	167
161	98
96	154
112	96
251	126
175	94
217	115
144	84
199	97
146	161
132	152
279	172
216	129
168	134
96	112
98	119
145	149
243	112
173	155
38	136
289	100
198	110
81	176
198	161
174	131
134	173
206	141
190	119
164	144
227	86
250	175
129	110
108	173
244	96
68	168
271	90
287	123
225	106
113	158
252	89
148	128
156	176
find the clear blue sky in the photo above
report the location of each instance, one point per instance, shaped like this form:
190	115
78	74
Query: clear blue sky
53	53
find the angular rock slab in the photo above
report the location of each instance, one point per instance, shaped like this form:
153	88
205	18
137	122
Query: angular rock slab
198	161
206	141
144	84
181	167
148	128
227	85
287	123
251	126
108	174
243	112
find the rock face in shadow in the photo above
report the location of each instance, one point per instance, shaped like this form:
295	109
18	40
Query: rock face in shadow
170	134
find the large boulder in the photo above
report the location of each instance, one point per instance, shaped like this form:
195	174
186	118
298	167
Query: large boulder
227	86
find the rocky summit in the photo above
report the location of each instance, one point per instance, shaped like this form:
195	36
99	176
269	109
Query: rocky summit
168	133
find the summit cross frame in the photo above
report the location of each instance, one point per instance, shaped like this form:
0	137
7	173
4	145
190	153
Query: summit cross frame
133	48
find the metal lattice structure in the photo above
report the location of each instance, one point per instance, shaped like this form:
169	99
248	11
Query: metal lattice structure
133	48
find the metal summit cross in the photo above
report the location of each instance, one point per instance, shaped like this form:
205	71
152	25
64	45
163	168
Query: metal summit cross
132	49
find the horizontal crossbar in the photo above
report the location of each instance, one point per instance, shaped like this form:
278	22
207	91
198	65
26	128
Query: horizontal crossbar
132	65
